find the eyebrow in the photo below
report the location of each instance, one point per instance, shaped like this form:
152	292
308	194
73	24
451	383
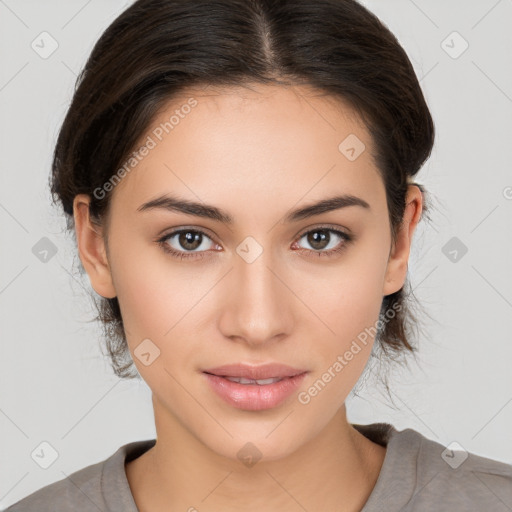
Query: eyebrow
172	203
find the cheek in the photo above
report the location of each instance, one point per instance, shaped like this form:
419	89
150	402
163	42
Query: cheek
350	297
160	301
153	293
349	306
157	307
349	303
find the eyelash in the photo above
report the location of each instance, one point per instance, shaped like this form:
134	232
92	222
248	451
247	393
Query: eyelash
200	254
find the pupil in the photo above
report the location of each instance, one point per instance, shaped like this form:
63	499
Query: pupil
318	242
189	237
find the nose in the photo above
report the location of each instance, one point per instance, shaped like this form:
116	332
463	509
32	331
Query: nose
257	305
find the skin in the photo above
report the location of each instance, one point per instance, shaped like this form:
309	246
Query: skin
256	153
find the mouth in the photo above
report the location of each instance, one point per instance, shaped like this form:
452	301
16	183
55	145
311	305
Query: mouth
259	382
260	374
254	388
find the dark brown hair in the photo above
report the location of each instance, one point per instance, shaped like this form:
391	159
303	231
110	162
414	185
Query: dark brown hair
157	49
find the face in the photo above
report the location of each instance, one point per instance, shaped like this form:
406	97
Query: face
197	292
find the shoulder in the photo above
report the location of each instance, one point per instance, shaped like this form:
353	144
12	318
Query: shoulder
420	474
99	486
456	479
80	490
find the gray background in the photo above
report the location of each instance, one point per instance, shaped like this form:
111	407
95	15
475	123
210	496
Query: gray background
55	384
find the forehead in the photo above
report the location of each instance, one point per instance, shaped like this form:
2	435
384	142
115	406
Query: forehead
269	141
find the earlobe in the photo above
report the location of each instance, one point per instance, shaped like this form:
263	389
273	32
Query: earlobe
398	261
91	248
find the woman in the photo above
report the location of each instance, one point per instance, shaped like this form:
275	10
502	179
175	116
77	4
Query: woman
239	176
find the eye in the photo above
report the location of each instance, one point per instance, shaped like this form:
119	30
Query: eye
185	243
193	243
323	243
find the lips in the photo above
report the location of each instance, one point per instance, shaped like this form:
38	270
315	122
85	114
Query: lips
255	395
262	372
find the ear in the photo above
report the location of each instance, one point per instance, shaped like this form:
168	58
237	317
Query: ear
396	271
91	248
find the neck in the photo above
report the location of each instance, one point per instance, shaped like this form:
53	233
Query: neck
335	470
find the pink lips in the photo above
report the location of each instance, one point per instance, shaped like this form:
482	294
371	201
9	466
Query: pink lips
254	397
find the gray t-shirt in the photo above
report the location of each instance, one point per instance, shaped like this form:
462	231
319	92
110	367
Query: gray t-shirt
418	474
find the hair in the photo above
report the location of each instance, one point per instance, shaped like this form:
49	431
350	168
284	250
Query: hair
157	49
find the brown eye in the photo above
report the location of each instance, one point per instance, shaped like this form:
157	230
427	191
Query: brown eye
190	240
325	241
318	239
185	243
